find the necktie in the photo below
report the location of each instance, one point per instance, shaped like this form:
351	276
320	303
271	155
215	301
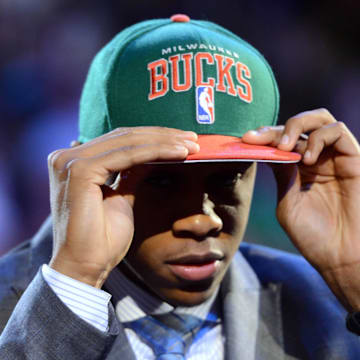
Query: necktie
169	335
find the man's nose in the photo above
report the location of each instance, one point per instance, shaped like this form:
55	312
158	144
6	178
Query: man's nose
201	224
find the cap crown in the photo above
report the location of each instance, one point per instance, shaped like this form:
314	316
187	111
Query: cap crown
192	75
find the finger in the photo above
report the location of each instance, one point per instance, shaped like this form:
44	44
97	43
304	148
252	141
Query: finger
336	135
133	137
302	123
123	133
97	169
267	135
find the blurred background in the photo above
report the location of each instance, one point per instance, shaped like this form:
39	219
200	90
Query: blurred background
46	48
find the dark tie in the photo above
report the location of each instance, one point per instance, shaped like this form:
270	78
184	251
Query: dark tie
169	335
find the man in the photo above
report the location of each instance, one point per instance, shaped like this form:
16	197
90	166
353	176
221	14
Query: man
151	204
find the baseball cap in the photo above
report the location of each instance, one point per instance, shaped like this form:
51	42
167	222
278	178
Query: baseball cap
187	74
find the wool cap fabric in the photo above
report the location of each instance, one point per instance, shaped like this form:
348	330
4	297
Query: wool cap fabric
186	74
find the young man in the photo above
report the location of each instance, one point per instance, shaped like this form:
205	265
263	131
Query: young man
151	204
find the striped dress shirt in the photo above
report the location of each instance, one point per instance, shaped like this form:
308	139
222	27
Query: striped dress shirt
131	303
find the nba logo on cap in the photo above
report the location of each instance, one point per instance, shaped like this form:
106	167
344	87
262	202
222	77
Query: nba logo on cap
205	111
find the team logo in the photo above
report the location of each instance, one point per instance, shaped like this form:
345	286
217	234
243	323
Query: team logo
232	77
205	111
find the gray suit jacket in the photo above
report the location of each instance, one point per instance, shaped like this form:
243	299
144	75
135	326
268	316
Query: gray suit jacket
285	311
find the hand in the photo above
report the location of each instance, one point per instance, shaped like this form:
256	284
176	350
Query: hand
319	198
93	224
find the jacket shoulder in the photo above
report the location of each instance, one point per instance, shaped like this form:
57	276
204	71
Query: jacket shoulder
19	265
277	266
313	320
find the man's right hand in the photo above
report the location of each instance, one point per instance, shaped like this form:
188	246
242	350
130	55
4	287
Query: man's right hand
93	224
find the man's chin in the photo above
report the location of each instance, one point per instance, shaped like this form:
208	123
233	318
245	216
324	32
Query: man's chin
180	292
191	297
189	293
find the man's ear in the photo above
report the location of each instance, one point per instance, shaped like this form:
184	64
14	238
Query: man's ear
75	143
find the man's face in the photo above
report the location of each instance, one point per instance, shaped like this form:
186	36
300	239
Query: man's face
189	222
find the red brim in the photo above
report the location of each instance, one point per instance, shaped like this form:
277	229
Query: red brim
230	148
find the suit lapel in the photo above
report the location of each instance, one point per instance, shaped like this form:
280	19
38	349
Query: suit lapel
252	315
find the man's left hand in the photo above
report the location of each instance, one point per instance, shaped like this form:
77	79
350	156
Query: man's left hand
319	198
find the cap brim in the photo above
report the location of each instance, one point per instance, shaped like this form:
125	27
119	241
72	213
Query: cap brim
223	148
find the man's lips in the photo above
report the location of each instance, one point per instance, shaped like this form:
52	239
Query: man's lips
196	267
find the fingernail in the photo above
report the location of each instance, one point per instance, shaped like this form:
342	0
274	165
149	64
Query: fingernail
254	132
180	147
189	134
284	140
192	146
307	154
263	129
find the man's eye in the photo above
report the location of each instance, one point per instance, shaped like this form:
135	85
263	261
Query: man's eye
161	180
226	181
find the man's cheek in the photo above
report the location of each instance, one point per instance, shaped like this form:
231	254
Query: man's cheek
231	218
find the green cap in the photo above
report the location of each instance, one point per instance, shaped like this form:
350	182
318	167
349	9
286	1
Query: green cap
179	73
